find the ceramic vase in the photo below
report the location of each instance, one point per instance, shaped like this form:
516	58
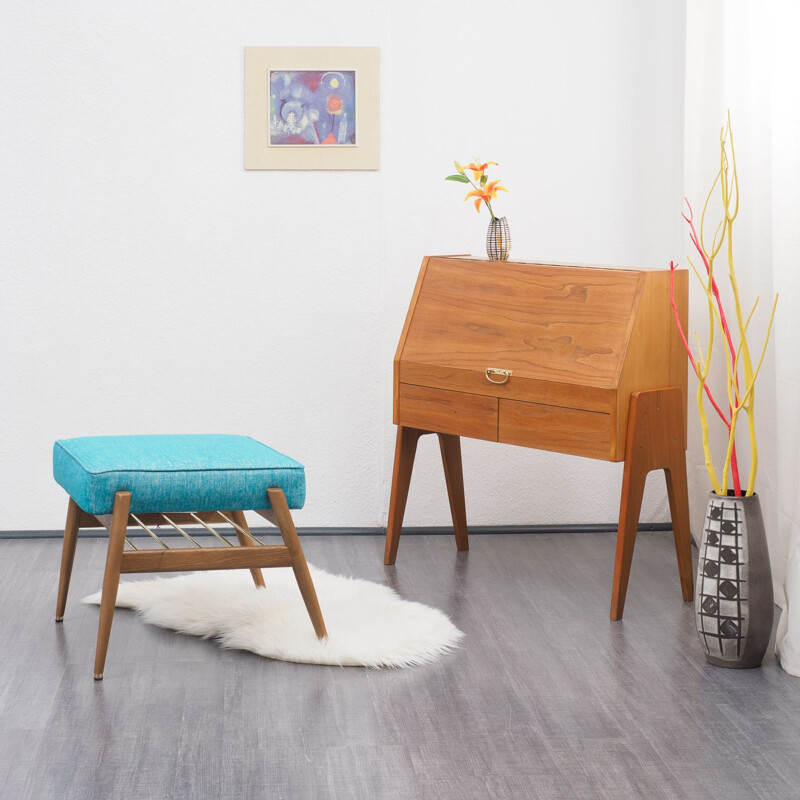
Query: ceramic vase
498	239
733	595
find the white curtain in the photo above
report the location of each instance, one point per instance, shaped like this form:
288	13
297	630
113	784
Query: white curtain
742	56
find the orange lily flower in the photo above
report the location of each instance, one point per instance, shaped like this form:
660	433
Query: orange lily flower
493	188
479	169
486	195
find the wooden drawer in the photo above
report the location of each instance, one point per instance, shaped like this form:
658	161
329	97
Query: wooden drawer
563	430
444	411
473	381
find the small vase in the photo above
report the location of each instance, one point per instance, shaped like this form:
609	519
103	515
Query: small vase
498	239
733	596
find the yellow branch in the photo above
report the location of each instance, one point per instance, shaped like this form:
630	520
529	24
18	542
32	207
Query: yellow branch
733	216
730	382
703	220
706	447
726	184
748	395
731	438
739	399
751	483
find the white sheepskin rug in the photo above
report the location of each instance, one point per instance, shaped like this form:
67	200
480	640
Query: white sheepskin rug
368	625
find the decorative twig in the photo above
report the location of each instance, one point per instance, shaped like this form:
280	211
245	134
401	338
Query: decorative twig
739	399
673	267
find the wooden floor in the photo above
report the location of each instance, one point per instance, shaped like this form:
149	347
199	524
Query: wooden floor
546	699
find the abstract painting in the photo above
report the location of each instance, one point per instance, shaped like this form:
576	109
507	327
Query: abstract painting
310	108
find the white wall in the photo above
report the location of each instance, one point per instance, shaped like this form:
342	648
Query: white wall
728	69
741	57
150	284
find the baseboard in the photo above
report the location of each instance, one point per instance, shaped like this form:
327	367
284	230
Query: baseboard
442	530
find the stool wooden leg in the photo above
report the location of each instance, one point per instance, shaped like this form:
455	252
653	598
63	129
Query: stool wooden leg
116	543
67	556
239	518
283	517
404	452
454	478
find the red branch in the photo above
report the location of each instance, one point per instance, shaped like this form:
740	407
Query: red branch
737	489
696	242
673	266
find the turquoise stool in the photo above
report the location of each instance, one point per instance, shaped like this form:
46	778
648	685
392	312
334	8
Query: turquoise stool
117	482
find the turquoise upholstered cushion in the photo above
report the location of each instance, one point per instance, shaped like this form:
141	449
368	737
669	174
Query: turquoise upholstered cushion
175	473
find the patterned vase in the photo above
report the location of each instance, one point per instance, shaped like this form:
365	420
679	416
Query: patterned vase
733	595
498	239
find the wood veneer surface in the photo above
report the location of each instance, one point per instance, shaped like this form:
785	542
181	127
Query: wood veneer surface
574	337
565	324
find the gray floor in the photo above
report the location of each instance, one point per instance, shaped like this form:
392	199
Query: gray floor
546	699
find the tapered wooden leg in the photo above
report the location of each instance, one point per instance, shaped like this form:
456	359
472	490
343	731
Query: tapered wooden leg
677	490
630	506
116	543
283	517
67	556
655	440
239	518
454	477
404	452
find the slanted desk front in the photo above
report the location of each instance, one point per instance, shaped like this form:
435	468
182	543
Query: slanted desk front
580	360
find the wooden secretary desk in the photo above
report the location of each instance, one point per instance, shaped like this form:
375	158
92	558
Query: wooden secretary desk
580	360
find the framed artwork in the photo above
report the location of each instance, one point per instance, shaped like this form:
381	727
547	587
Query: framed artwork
312	108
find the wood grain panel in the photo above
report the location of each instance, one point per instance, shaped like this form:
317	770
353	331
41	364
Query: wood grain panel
563	324
402	343
655	358
204	558
562	430
407	324
444	411
517	388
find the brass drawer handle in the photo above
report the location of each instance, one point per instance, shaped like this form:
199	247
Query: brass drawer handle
504	373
